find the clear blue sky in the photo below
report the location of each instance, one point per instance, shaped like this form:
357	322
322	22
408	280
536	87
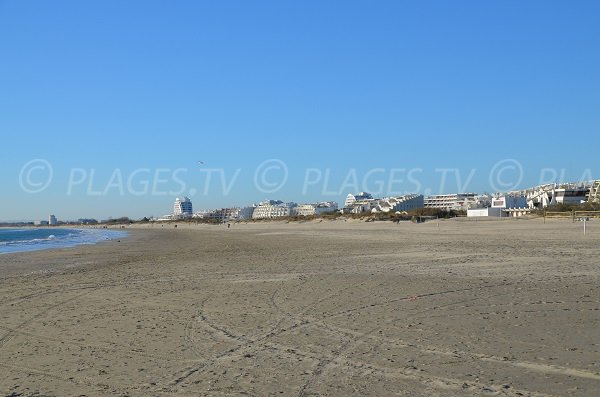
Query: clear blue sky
339	85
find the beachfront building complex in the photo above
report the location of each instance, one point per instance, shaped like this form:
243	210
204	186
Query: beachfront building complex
455	202
314	209
351	199
546	195
230	214
272	209
182	208
364	202
594	194
52	220
398	203
358	203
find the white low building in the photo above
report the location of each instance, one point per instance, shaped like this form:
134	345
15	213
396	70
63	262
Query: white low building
502	206
484	212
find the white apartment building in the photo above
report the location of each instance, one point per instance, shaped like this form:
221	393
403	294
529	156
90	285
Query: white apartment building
222	214
315	209
398	204
52	220
245	212
304	210
273	209
457	201
570	195
182	208
325	207
364	202
230	214
549	194
353	198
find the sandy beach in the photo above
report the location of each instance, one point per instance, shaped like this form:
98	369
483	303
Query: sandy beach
508	308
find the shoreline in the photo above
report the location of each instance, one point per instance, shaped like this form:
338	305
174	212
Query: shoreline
85	236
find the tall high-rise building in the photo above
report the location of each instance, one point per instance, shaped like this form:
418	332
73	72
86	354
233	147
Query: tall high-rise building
182	207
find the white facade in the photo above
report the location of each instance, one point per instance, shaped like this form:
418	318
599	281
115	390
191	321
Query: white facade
566	193
509	202
502	206
360	206
353	198
456	201
230	214
594	195
484	212
52	220
570	195
273	209
516	212
398	204
305	210
182	208
315	209
326	207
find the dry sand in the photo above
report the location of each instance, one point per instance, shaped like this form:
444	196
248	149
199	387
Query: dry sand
334	308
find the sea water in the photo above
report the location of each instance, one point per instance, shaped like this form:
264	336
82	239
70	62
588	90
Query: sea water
33	239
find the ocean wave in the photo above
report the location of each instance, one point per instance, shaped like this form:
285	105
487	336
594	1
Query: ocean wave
60	238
